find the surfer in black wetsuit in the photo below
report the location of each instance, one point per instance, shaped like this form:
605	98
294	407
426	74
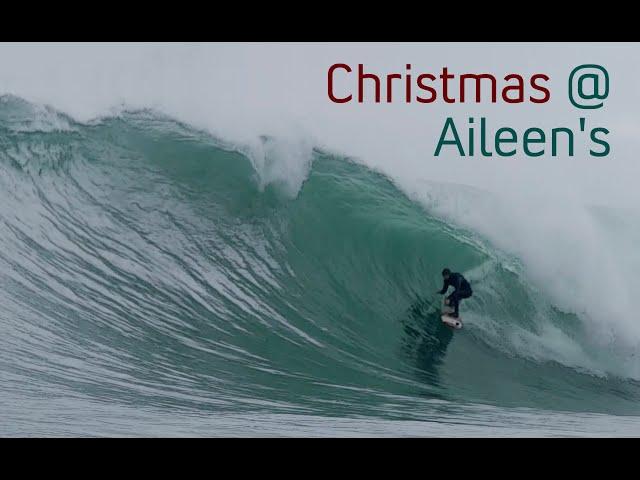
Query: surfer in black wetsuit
461	286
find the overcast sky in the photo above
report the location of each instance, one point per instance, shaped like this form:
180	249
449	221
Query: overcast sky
240	91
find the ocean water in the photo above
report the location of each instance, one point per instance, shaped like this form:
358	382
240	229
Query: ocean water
156	279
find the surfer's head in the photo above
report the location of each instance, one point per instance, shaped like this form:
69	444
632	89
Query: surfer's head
446	272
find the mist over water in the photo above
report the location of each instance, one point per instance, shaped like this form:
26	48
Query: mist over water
195	230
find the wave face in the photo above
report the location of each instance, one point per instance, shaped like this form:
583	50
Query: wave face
149	270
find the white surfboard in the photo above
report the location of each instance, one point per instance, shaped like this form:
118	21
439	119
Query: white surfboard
452	322
448	320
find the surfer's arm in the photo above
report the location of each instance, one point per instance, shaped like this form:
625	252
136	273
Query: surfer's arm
444	288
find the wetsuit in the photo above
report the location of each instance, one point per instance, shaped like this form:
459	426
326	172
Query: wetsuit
462	290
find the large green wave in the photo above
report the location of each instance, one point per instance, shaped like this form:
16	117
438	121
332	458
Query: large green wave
144	262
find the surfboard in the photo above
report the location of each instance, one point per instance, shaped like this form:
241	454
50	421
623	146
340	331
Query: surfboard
448	320
451	322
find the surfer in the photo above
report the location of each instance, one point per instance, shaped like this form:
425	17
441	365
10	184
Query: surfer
461	286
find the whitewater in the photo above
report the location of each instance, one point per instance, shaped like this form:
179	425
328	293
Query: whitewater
195	241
